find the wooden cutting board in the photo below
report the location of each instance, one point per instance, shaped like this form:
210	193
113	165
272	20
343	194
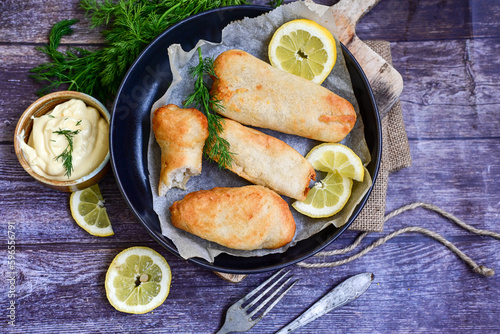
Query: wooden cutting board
386	82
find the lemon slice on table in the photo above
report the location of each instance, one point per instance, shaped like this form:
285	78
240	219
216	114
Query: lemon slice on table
304	48
330	157
138	280
87	208
327	197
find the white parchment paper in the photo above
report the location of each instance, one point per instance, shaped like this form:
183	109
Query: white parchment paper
253	36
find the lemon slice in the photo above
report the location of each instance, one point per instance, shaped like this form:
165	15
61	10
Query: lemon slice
138	280
330	157
304	48
87	209
327	197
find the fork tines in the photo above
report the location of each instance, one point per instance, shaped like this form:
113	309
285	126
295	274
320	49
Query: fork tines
248	307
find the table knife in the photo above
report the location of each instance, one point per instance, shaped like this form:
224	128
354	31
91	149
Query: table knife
342	294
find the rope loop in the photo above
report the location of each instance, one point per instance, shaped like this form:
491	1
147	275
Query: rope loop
479	269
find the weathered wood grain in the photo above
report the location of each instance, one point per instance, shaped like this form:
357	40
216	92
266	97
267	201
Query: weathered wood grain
393	20
447	54
46	218
451	90
396	20
67	283
458	175
30	21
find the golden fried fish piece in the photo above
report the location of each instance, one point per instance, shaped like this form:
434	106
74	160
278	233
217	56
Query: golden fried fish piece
181	134
267	161
253	92
244	218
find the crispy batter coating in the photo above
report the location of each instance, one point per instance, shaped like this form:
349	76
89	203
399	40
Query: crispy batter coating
268	161
244	218
253	92
181	134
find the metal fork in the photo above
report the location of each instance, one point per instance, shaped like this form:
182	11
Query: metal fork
239	318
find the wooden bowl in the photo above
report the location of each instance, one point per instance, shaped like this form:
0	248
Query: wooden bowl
23	130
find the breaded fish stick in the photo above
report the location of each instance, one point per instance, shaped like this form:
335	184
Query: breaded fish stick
253	92
181	134
245	218
268	161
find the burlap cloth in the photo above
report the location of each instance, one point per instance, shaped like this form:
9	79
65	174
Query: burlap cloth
395	156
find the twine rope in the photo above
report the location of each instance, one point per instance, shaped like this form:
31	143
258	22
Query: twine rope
479	269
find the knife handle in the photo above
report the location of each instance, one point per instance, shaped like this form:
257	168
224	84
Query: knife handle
342	294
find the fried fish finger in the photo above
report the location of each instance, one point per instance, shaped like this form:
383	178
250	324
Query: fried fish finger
244	218
268	161
181	134
253	92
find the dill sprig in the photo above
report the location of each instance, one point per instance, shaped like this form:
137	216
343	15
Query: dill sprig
128	26
216	148
75	67
67	155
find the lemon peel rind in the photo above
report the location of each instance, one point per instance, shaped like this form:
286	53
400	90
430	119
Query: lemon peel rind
302	208
113	272
327	39
80	220
315	154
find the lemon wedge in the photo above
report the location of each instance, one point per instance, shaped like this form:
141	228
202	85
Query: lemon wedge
330	195
304	48
332	157
327	197
87	209
138	280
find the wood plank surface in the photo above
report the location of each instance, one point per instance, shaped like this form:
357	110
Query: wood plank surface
431	20
447	53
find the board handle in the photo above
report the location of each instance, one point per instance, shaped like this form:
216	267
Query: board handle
348	13
386	82
233	278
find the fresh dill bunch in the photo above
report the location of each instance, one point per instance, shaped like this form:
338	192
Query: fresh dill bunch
216	148
75	67
127	27
67	155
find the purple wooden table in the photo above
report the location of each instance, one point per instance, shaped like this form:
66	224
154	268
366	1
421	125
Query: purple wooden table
448	55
